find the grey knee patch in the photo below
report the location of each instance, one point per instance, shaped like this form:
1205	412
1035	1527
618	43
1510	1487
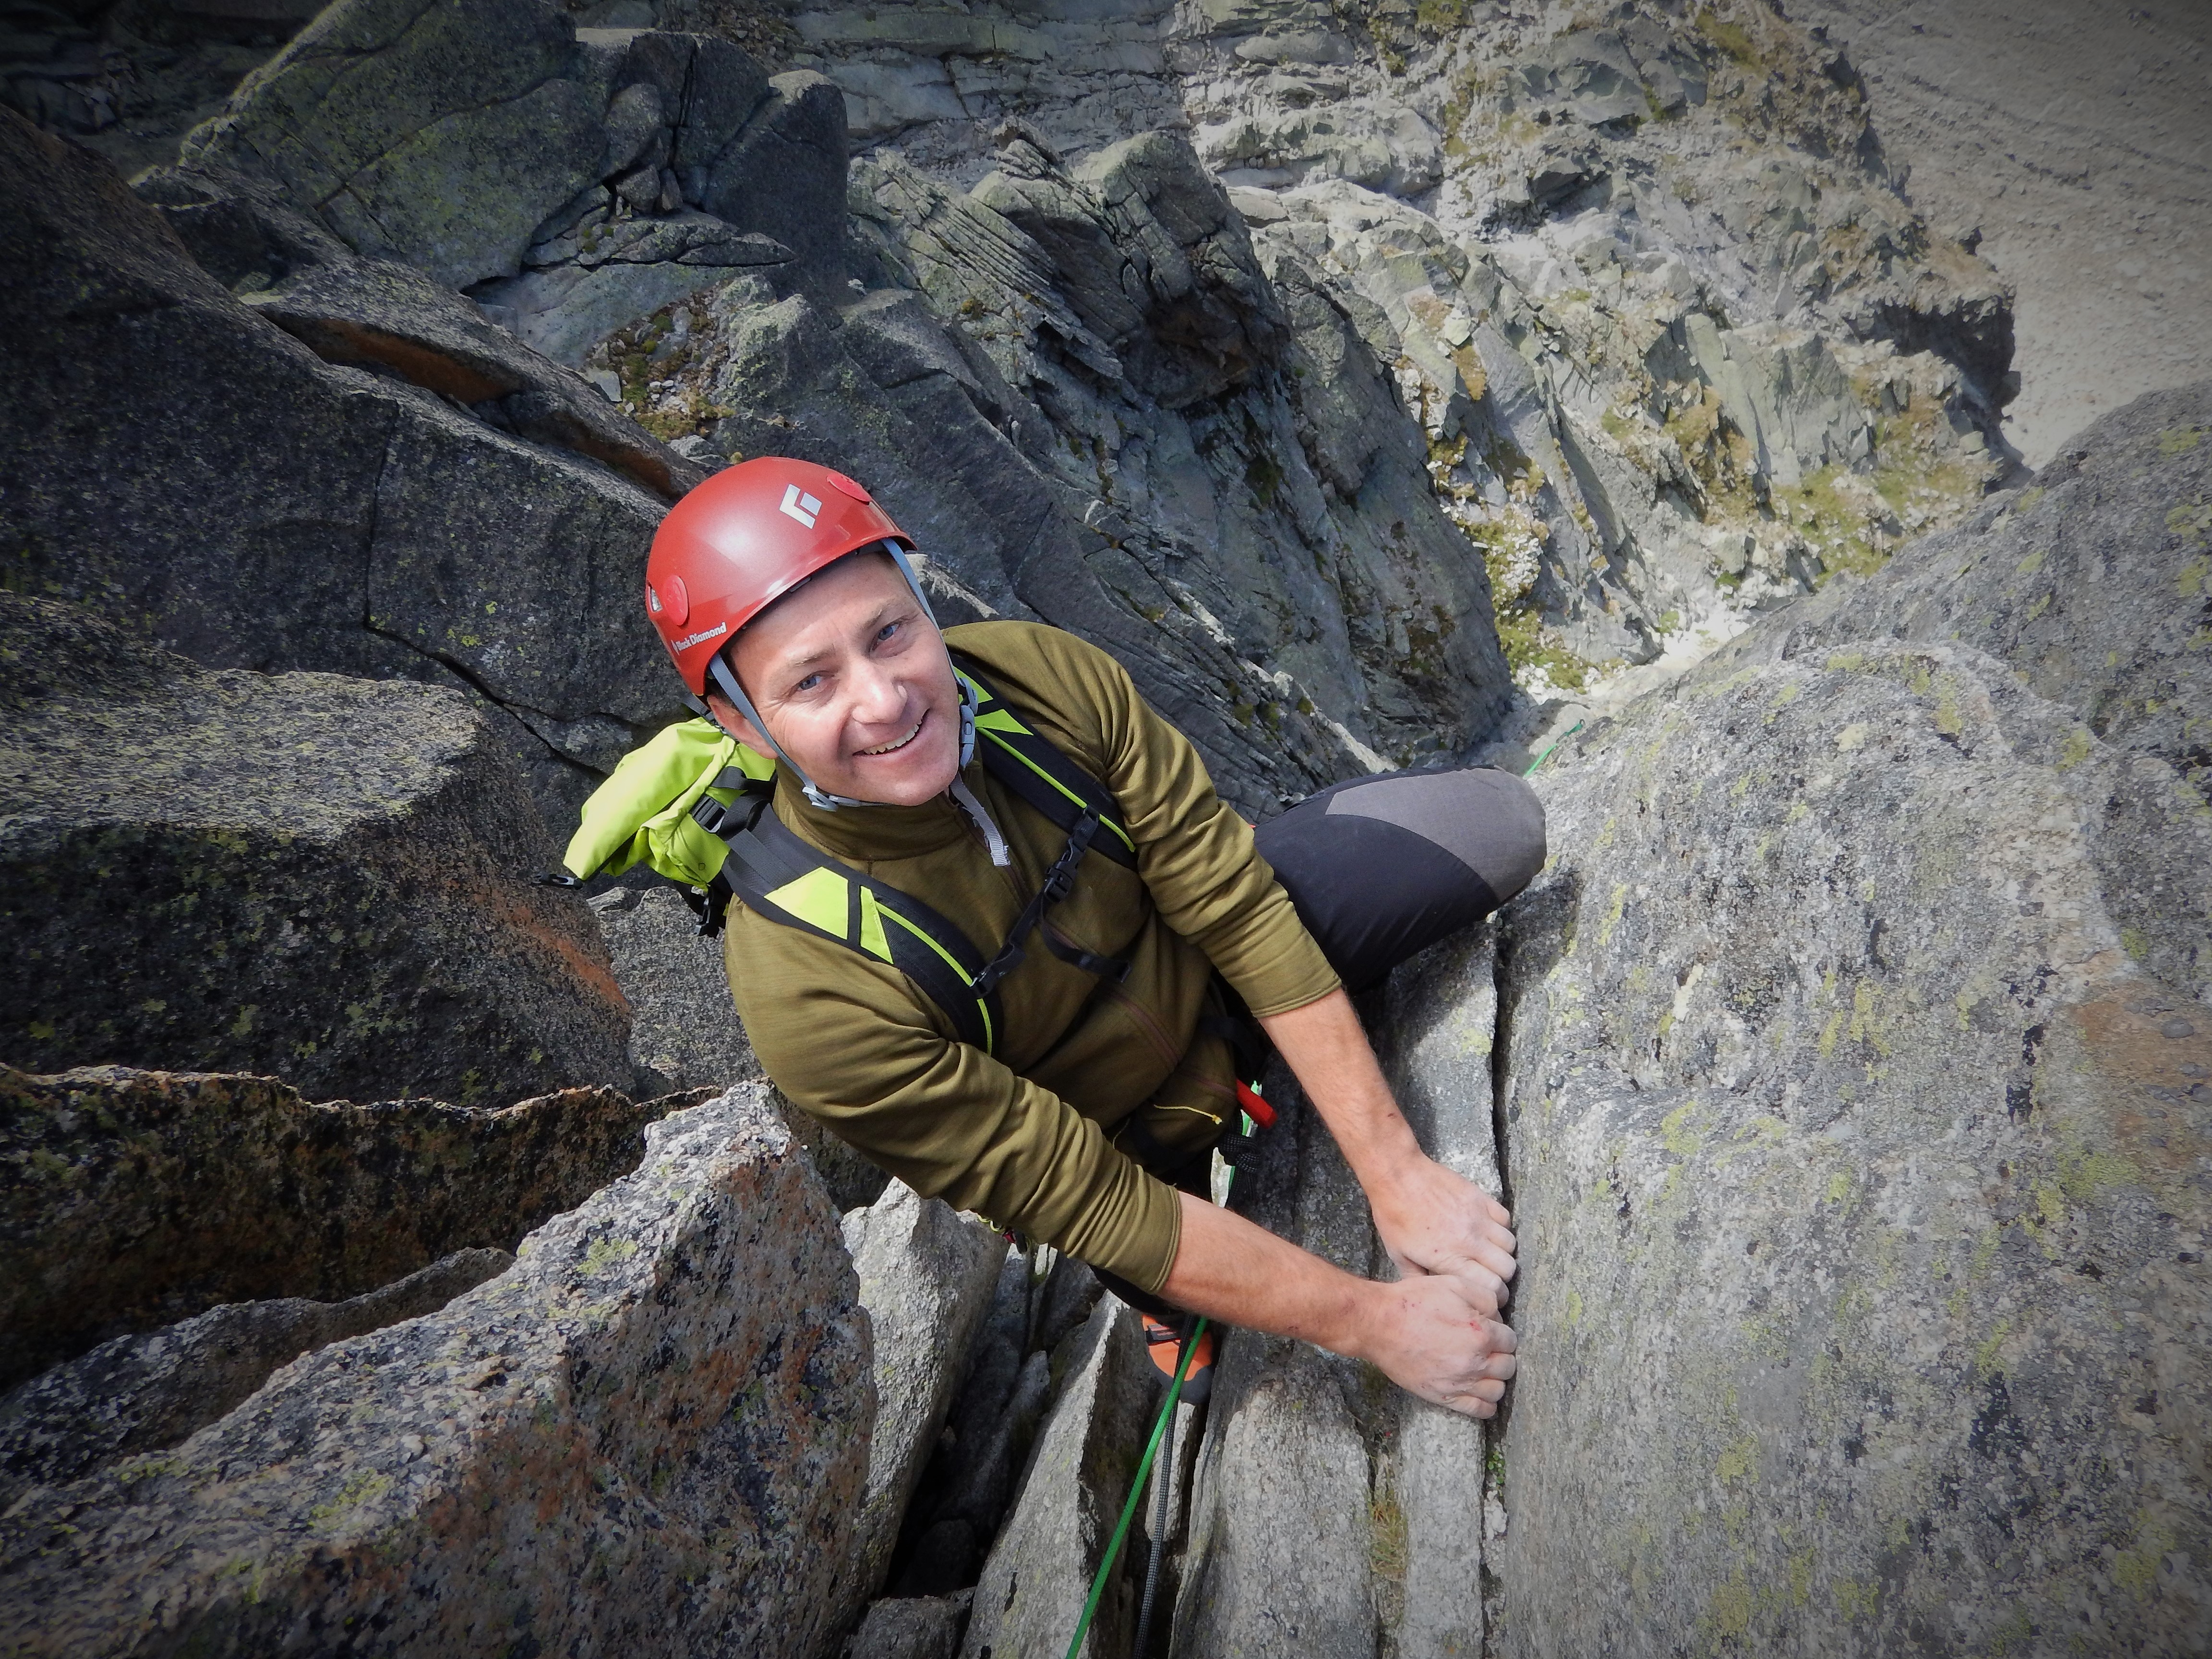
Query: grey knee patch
1489	820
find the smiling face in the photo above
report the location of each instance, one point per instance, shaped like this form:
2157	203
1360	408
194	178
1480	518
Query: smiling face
853	680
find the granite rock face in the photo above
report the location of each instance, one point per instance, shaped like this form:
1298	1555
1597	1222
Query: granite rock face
138	1198
1034	1585
145	1394
1858	1113
325	878
915	1627
442	136
651	1433
1562	202
684	1034
927	1278
1004	1390
253	506
1330	1512
2095	582
683	1028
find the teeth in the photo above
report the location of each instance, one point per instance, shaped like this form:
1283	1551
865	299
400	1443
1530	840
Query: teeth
890	747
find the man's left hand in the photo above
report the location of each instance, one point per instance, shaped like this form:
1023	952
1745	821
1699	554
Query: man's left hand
1432	1221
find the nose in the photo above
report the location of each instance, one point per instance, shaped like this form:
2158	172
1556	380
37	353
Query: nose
878	694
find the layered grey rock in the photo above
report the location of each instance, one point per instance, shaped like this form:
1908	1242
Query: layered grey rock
2094	582
1607	183
927	1278
650	1433
374	312
1039	1573
138	1198
1858	1119
145	1393
323	877
252	506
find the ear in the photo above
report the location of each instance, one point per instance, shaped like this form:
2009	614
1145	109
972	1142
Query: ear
738	725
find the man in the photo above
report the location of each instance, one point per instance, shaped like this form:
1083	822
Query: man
1080	1107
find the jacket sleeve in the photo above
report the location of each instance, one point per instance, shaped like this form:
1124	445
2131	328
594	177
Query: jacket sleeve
846	1042
1195	854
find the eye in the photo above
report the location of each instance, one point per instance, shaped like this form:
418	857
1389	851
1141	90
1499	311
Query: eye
887	630
806	684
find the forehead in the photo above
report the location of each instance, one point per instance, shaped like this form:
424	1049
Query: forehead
819	616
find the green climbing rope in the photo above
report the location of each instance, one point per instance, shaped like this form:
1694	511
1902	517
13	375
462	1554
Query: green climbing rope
1555	742
1136	1490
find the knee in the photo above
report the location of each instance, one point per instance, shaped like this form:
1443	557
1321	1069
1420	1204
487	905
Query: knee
1517	848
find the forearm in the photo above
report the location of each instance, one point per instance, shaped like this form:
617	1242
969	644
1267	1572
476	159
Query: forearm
1236	1273
1422	1332
1327	1049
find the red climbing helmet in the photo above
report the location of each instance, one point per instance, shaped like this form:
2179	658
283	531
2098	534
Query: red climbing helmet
748	535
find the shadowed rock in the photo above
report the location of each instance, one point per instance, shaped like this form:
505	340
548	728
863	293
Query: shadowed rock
1034	1586
328	878
142	1394
373	311
650	1435
926	1276
138	1199
252	506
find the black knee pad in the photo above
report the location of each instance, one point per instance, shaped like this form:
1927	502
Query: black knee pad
1381	867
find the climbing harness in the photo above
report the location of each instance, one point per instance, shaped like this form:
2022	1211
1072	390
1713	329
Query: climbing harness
720	837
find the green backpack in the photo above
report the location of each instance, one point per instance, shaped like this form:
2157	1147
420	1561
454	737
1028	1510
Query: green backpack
693	804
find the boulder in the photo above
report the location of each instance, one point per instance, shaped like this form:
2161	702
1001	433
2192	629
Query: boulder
138	1199
198	476
146	1393
328	878
1856	1111
926	1278
2094	581
650	1434
442	137
365	312
1039	1573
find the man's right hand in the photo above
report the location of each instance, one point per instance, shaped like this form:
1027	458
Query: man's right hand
1427	1334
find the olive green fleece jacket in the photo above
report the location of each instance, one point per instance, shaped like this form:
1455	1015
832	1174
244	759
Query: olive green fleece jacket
1026	1137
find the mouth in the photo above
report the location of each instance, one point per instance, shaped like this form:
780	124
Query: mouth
893	747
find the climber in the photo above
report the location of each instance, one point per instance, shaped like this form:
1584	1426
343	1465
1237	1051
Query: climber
997	932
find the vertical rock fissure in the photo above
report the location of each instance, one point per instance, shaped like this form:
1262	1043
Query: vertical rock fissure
1490	1586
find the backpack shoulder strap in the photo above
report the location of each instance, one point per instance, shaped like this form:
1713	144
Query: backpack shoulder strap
789	881
1028	763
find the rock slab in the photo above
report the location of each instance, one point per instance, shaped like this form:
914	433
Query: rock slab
926	1278
650	1435
140	1394
326	877
138	1199
1862	1140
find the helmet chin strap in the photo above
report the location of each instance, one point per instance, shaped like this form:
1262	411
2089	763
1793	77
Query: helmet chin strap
725	677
